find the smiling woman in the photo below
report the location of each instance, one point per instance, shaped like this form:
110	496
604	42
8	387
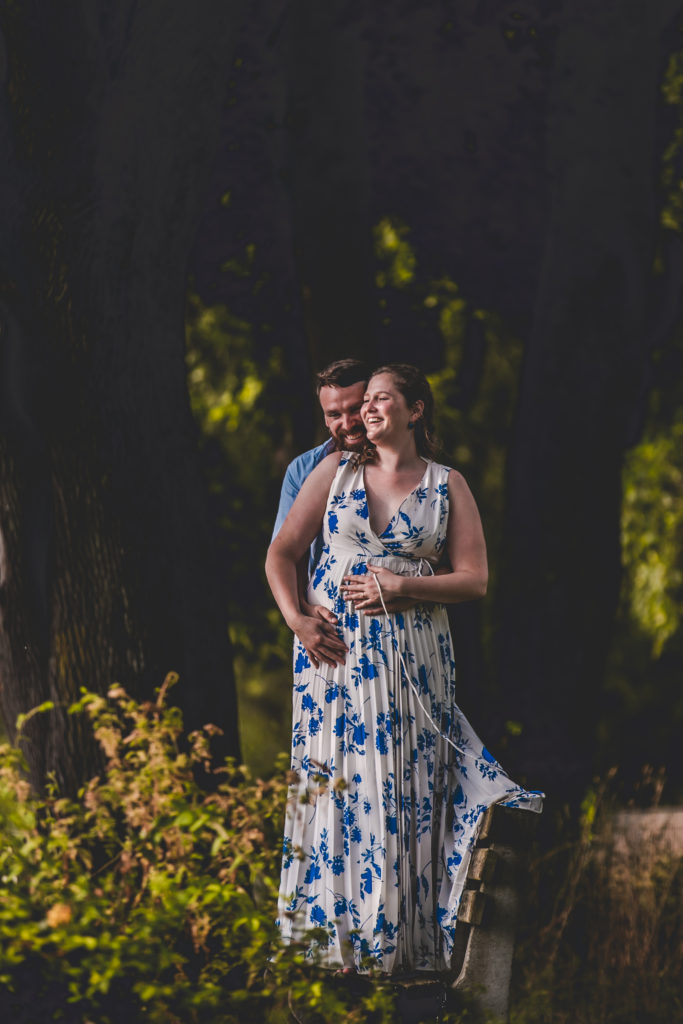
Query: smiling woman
392	779
400	385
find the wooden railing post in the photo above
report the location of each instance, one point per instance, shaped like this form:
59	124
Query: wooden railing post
490	909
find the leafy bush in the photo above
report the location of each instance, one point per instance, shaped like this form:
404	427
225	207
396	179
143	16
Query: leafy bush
148	898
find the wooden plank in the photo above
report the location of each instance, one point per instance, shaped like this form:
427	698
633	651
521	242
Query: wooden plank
507	826
472	907
486	826
483	865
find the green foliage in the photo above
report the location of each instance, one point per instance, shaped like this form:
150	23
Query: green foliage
643	678
671	216
229	393
395	257
652	512
147	898
236	397
652	516
642	684
652	533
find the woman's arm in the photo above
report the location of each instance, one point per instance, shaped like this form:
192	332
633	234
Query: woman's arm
298	531
466	551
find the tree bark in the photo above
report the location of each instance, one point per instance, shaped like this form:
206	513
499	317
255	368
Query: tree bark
108	567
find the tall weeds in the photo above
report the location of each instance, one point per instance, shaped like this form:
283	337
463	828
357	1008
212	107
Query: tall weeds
603	938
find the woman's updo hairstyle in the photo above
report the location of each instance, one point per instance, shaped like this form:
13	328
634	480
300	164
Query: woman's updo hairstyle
414	387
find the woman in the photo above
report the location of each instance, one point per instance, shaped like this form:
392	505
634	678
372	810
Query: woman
392	779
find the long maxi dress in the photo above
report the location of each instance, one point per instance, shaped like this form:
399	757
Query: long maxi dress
392	779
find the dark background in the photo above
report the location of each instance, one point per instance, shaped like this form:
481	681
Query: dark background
200	208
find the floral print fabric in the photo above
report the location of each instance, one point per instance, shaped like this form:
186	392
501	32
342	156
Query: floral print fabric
382	821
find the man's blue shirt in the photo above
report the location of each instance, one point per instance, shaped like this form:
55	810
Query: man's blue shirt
297	471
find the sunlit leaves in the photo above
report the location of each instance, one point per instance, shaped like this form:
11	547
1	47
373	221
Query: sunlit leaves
223	378
652	534
394	254
672	171
147	898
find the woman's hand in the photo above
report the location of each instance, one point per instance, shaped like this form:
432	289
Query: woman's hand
364	592
318	634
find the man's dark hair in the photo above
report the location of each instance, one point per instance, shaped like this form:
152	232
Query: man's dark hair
342	374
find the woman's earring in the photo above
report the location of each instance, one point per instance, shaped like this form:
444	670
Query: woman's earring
411	425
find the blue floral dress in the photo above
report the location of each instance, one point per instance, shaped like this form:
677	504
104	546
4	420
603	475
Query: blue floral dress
392	780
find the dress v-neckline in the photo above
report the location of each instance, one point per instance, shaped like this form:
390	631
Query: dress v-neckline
403	500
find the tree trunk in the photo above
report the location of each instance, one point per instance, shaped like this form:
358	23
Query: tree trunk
330	178
108	566
580	380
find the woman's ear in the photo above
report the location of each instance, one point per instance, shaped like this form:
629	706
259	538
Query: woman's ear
418	409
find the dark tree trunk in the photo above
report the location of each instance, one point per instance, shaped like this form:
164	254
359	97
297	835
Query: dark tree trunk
108	571
330	178
583	364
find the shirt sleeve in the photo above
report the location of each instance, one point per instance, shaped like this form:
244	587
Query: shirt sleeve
291	485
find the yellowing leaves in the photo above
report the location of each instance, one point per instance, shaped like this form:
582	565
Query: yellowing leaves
652	534
671	216
394	254
58	914
148	886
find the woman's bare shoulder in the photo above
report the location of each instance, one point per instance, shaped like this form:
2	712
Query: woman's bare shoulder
457	484
332	460
325	469
459	492
455	477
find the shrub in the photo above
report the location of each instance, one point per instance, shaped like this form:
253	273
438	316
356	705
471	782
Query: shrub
147	898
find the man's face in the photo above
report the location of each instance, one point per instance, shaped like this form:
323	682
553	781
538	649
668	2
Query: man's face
341	409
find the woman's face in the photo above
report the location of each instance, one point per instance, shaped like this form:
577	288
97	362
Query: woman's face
385	411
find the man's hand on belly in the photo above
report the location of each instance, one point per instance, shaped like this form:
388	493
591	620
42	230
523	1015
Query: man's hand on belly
318	633
318	611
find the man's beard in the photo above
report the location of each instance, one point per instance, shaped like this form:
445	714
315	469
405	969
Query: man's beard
342	442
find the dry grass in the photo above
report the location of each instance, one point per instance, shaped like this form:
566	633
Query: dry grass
607	945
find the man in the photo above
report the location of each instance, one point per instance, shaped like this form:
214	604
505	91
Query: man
340	388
